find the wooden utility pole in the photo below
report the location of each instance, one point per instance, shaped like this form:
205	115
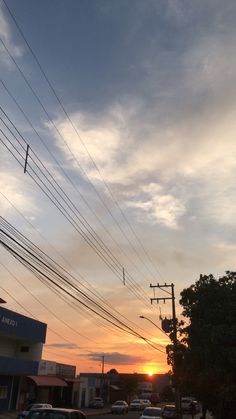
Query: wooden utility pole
102	378
103	358
175	341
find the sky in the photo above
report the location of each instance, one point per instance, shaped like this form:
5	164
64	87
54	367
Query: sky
137	126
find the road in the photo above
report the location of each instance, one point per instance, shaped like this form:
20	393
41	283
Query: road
134	415
100	415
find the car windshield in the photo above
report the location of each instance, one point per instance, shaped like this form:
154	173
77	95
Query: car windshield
120	403
136	401
152	412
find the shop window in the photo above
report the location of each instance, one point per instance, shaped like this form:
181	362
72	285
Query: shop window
3	392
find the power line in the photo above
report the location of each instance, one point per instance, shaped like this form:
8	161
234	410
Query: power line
114	264
46	307
50	269
93	292
18	255
101	316
32	315
55	201
69	180
67	146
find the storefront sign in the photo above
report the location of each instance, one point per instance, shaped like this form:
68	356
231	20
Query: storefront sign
16	324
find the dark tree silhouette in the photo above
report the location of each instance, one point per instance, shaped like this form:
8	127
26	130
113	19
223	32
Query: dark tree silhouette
208	361
112	371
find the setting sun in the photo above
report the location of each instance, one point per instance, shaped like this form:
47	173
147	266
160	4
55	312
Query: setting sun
150	373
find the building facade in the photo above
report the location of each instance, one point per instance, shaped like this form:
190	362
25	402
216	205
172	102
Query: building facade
21	344
115	386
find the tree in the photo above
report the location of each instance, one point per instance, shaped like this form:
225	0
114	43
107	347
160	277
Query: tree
208	362
112	371
129	384
167	394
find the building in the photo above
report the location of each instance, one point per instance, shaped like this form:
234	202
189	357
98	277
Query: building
24	377
115	386
21	344
56	383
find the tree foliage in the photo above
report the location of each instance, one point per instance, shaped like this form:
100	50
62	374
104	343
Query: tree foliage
129	384
207	364
112	371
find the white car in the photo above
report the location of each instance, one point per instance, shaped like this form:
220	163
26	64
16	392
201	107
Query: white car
151	413
31	407
120	406
169	411
187	404
136	405
146	403
96	403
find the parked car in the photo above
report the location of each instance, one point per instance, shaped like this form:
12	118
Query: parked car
197	408
25	413
120	406
56	413
136	405
96	403
169	411
151	413
155	399
187	404
146	403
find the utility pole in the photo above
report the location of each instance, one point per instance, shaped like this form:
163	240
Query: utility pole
102	378
103	357
175	341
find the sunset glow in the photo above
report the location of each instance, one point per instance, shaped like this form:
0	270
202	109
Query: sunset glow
133	177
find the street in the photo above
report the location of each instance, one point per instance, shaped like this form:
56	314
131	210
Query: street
135	415
102	414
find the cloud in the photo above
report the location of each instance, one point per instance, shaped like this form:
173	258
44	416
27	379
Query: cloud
177	158
62	345
110	144
6	36
175	129
12	190
159	207
103	137
117	358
